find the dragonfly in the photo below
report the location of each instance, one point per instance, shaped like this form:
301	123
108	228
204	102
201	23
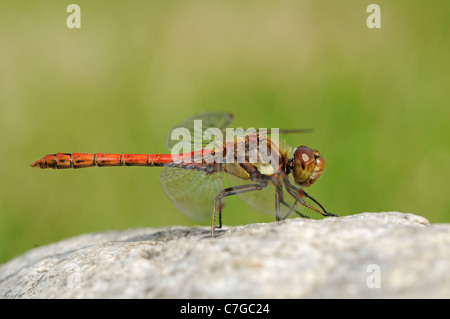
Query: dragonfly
194	180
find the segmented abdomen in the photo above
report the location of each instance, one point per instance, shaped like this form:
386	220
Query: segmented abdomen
80	160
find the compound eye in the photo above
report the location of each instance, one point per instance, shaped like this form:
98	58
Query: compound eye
304	156
303	164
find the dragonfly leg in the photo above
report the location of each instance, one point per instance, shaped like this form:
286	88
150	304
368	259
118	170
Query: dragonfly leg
325	212
228	192
294	192
292	209
221	205
279	199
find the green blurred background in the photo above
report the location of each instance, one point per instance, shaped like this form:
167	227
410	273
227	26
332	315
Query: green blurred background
378	100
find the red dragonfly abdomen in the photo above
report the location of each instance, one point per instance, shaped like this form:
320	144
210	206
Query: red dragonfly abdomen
80	160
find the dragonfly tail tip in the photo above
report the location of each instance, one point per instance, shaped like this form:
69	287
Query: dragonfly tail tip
38	163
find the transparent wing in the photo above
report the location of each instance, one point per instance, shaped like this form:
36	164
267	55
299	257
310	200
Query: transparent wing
217	120
191	191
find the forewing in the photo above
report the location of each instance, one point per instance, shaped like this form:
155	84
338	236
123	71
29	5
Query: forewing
217	120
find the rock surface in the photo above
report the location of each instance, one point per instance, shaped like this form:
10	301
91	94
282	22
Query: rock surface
369	255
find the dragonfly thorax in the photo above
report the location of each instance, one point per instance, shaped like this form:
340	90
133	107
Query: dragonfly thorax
307	166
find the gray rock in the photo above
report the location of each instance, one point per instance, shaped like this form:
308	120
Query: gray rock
369	255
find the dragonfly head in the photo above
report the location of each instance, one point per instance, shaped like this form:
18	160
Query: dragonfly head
307	166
